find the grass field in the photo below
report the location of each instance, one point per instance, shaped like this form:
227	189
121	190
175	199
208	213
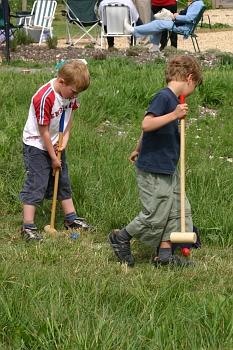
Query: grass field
73	294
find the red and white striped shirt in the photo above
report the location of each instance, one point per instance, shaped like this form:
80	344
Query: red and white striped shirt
46	109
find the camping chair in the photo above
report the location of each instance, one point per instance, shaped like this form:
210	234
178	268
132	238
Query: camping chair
190	33
12	27
81	13
42	15
113	16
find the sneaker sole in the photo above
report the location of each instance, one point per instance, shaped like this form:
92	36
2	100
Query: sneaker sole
32	240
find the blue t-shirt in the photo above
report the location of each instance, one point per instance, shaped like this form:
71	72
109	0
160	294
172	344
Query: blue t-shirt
160	149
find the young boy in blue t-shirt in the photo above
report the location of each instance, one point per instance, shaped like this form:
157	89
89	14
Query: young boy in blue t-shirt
157	153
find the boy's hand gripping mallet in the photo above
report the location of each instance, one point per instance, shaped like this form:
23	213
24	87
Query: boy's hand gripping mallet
50	228
182	237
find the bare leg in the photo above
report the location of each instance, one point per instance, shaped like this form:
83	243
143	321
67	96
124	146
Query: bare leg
76	222
67	206
165	244
29	213
29	231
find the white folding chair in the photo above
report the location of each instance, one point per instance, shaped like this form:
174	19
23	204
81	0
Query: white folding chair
113	16
42	15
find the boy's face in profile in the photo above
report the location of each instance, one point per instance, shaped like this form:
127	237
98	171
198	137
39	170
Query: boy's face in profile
67	91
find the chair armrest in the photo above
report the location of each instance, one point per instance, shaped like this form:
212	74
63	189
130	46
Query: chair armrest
176	21
22	16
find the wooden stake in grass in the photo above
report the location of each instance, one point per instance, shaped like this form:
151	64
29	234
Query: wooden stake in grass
182	237
50	228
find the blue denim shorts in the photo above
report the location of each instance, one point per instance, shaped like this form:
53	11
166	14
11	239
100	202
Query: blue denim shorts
39	182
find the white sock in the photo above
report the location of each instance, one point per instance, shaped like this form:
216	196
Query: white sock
128	28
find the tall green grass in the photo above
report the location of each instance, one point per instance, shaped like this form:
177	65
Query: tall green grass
72	294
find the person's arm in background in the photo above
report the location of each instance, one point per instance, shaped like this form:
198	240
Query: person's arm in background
192	12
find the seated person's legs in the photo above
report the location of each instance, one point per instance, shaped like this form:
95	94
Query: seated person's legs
138	23
110	40
163	42
164	36
154	28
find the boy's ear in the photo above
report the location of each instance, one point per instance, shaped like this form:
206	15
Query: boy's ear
189	78
60	81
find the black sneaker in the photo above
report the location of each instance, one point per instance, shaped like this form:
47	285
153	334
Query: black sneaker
30	234
173	261
78	223
121	249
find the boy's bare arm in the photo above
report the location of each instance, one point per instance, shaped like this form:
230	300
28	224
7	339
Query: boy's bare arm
150	123
44	132
135	153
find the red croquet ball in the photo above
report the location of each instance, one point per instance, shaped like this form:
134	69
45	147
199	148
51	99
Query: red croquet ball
185	251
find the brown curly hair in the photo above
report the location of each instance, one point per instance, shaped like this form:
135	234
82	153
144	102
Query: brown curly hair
181	66
75	73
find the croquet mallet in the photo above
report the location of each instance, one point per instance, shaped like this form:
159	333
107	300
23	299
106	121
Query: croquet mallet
182	237
50	228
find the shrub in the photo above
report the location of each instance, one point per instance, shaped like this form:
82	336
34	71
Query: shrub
23	38
51	42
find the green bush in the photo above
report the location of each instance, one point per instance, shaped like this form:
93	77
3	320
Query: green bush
23	38
51	42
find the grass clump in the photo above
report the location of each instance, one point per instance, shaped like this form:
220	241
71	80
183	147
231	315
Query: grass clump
89	46
51	42
21	38
225	59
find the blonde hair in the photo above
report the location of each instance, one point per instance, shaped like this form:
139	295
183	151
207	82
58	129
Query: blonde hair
75	73
181	66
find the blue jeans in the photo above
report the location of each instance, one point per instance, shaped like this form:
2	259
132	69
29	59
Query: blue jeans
154	29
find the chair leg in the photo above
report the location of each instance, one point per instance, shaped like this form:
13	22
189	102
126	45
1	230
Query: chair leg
209	21
133	41
201	25
97	34
41	36
168	38
101	40
195	44
68	36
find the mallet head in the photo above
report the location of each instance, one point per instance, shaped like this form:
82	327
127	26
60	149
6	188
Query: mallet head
183	237
50	230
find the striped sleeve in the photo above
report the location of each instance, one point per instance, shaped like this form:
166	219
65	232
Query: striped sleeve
43	102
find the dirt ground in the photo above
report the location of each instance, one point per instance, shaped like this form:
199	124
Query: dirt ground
208	39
